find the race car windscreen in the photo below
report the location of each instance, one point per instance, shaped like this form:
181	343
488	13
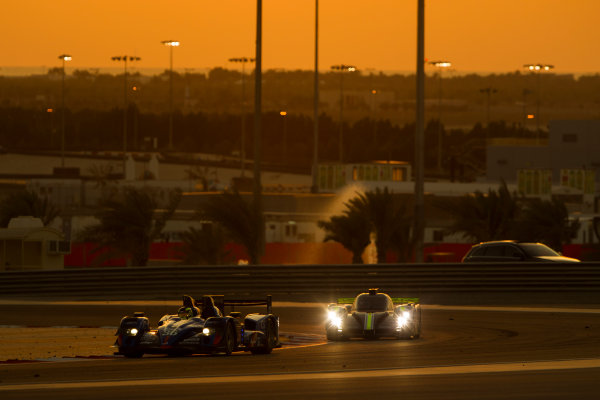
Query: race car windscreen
372	303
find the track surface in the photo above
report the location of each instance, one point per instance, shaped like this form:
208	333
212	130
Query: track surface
463	354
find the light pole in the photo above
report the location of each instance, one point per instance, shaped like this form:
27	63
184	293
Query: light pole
374	114
341	68
488	91
257	187
283	114
315	163
373	105
124	59
170	44
538	69
525	92
243	61
419	222
136	112
441	65
64	58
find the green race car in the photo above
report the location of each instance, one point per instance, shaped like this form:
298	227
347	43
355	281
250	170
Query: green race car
373	315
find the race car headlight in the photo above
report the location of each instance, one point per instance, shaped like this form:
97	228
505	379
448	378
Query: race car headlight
402	319
206	331
132	332
335	319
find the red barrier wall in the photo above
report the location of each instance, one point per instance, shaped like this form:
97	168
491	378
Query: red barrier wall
283	253
82	254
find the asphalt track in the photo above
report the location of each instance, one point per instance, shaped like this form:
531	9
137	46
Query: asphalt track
464	353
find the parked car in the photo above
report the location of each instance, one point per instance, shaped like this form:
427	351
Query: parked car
514	251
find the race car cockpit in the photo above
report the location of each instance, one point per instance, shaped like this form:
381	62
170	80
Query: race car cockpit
373	302
208	308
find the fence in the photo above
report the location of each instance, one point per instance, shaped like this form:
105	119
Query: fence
441	283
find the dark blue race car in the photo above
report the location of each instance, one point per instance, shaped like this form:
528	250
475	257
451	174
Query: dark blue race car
201	327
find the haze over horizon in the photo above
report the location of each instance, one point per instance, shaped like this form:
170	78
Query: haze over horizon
496	38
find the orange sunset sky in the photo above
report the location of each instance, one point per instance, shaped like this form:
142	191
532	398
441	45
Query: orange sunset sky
475	35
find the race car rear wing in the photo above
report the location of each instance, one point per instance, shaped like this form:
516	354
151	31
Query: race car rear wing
395	300
220	302
405	300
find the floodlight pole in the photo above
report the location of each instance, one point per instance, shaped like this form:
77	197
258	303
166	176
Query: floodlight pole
243	61
63	57
341	68
170	44
441	65
315	163
419	223
125	103
537	69
258	126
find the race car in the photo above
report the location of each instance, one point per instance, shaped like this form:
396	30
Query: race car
373	315
201	327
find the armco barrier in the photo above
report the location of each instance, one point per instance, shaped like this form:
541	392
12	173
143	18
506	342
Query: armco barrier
441	283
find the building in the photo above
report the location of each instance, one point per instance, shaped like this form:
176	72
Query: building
291	212
27	245
571	146
332	177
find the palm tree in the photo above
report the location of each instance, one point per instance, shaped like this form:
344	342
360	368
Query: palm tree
100	174
387	214
27	203
204	246
240	220
546	221
352	230
483	216
202	174
403	241
129	225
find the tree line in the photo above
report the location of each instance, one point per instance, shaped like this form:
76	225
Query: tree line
209	112
287	140
220	90
478	217
130	220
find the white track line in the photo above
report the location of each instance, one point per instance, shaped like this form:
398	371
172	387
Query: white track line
325	375
515	309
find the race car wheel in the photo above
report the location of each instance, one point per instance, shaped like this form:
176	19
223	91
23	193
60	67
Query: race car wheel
229	339
271	335
270	339
417	333
334	336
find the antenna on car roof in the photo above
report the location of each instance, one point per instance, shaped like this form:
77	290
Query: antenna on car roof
373	292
